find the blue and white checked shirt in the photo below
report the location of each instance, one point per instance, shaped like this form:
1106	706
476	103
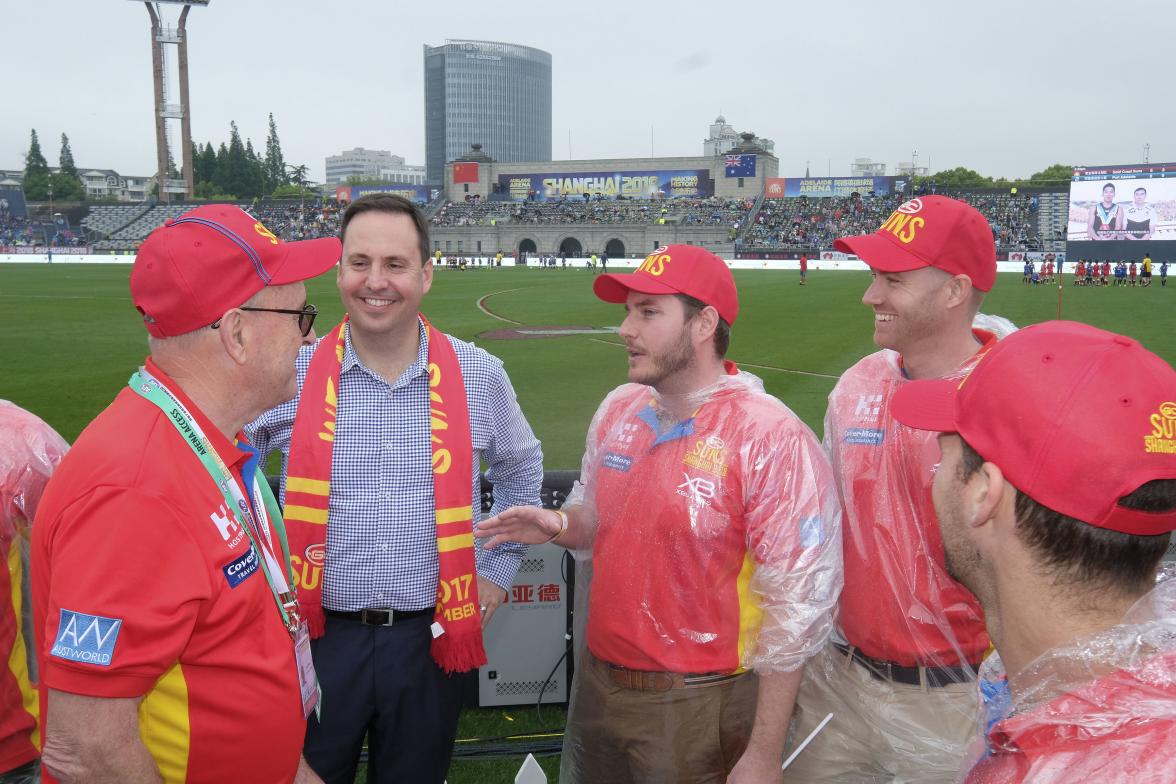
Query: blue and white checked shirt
381	531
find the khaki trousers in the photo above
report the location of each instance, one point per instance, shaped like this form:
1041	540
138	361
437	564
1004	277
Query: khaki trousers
679	736
881	732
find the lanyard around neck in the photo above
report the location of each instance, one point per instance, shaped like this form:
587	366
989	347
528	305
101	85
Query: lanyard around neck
279	579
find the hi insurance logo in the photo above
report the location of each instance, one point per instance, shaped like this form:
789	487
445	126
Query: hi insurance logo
86	638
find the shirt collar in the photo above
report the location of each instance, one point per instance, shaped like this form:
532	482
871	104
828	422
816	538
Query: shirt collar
229	453
351	359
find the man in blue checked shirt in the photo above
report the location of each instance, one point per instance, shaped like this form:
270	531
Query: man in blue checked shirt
380	571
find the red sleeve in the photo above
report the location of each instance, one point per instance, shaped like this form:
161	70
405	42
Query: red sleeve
126	583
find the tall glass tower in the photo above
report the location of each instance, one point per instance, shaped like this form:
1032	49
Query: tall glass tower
492	93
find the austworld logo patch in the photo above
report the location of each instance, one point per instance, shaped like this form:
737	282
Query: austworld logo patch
86	638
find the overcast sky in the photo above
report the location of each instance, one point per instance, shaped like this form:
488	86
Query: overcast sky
1003	87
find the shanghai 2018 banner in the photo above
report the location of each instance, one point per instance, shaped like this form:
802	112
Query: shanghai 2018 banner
790	187
627	184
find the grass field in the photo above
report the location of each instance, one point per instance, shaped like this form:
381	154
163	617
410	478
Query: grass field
71	338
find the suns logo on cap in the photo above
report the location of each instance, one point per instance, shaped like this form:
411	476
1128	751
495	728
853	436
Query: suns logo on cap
1162	439
902	223
260	228
655	263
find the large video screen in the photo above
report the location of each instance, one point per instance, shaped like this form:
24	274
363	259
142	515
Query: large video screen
1123	212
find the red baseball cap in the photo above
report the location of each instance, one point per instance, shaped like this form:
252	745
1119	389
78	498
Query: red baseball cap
677	269
193	268
1075	417
930	231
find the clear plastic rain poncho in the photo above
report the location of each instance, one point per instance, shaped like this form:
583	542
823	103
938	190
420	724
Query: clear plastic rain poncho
1099	709
29	452
899	605
715	547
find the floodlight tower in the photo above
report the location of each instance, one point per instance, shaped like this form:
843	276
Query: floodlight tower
177	36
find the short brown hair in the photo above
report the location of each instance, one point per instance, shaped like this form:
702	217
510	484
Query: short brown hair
722	329
1078	553
392	204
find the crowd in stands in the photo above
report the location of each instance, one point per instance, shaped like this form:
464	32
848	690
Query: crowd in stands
805	222
800	223
291	222
21	232
1013	219
713	211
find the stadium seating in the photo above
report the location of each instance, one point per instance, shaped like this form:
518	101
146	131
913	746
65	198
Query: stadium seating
713	211
1019	222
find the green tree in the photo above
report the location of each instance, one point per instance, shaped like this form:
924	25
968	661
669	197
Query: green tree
234	175
220	177
36	175
275	164
254	172
65	161
66	188
297	174
35	162
292	191
960	177
1052	175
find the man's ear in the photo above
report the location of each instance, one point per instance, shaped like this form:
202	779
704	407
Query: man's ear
233	335
706	321
984	494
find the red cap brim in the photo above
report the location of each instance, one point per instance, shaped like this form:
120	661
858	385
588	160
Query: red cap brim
306	259
927	405
615	287
880	253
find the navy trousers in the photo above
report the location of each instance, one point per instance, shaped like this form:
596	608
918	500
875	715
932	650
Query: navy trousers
380	681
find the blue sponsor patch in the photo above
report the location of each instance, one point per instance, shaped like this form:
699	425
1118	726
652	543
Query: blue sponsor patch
864	435
812	533
617	462
238	570
86	638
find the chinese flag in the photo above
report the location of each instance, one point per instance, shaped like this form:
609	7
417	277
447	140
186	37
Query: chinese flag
465	172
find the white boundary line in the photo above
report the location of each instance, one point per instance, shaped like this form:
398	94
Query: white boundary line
481	305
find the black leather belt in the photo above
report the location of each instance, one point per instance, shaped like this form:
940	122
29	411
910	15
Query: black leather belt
883	670
378	617
643	680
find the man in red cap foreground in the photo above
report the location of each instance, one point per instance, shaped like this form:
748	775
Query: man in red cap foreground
899	676
708	517
1083	684
168	633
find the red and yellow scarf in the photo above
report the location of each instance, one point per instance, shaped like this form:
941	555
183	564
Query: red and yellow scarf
459	647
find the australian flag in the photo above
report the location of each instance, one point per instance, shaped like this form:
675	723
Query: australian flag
740	165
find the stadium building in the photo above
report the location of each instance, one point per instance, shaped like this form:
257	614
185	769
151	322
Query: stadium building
495	94
619	206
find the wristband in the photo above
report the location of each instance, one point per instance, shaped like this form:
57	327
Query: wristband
563	526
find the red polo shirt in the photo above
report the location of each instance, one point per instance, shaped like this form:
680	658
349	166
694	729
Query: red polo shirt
145	585
898	604
717	542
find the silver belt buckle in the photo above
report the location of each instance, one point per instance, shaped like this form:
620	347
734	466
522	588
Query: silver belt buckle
365	618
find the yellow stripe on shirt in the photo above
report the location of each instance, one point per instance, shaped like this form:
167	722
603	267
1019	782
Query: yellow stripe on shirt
750	613
18	657
164	725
